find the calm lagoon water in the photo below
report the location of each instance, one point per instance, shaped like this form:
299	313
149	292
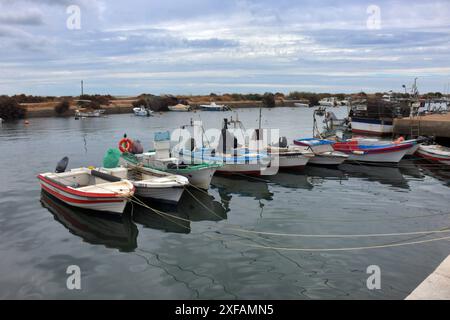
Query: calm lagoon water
147	256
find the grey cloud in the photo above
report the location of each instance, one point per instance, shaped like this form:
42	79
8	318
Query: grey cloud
22	18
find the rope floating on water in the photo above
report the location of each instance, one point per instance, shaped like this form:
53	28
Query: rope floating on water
348	248
373	235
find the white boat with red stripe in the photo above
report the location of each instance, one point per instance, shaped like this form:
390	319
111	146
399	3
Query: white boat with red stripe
435	153
89	189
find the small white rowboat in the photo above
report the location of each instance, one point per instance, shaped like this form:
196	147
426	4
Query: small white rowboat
152	184
435	153
89	189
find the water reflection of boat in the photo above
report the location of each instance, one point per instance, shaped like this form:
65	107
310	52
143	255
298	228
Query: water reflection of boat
291	179
194	205
411	168
329	173
439	172
382	174
168	220
200	206
94	227
255	188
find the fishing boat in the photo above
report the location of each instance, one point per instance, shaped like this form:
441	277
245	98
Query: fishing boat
234	158
301	105
435	152
374	126
180	108
214	107
328	102
289	156
283	155
384	152
151	184
376	116
198	173
89	189
415	143
85	113
324	154
142	111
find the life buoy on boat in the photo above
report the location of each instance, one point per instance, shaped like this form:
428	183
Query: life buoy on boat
399	140
125	145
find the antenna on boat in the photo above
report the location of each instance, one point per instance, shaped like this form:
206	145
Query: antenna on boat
259	125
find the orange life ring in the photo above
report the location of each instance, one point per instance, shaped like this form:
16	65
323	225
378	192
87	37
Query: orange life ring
399	140
125	145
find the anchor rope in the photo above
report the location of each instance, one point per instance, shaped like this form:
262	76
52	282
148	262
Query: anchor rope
347	248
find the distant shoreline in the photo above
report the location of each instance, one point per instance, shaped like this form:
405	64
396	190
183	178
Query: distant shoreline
46	110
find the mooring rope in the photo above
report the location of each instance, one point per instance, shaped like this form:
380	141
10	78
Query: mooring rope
373	235
202	204
348	248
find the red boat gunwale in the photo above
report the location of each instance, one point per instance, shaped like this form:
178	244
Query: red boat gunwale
76	192
348	147
67	199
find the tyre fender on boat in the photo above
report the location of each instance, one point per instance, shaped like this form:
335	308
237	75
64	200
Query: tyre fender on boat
125	145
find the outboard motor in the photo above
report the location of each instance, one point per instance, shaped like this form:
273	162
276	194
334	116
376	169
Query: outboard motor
282	142
426	140
62	165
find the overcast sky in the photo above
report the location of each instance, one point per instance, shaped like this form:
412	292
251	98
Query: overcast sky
200	46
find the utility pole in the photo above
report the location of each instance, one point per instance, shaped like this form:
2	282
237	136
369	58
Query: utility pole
81	87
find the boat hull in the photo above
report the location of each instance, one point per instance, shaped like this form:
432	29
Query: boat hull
107	204
391	157
212	109
200	178
165	195
241	168
372	126
327	160
392	153
294	161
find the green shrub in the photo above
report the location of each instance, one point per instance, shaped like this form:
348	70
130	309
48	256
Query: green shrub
268	100
62	107
10	109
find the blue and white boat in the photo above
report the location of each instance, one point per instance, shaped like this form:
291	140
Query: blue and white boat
236	161
324	154
234	158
